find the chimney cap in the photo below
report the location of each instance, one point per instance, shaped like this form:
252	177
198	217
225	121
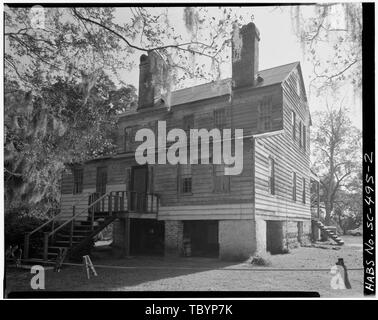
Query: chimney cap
253	27
143	58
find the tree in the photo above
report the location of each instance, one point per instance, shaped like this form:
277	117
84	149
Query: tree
331	37
77	42
336	157
45	132
61	65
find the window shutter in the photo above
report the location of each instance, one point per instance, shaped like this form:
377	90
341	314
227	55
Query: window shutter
151	179
128	179
178	180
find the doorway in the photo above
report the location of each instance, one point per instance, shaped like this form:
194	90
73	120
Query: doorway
139	186
146	237
101	179
203	237
274	237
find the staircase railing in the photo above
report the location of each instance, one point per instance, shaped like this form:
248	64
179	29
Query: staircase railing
51	220
130	201
107	203
70	221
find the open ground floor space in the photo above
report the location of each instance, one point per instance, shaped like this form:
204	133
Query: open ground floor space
229	239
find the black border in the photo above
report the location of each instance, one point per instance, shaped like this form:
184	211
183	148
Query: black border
368	53
368	170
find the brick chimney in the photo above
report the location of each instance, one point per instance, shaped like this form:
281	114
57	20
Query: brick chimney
154	80
245	55
146	89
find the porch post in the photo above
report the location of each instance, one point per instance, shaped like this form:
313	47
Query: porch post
126	235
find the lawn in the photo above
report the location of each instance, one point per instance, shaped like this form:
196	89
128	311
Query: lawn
201	274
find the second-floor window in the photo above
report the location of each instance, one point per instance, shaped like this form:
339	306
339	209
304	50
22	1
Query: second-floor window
294	186
185	178
78	180
271	168
219	118
221	182
265	114
300	134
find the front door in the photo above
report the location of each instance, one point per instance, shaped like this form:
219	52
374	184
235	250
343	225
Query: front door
101	180
139	187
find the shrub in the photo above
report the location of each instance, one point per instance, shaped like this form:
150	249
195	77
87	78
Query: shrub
18	225
261	260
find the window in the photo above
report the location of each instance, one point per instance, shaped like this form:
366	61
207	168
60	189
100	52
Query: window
271	175
294	186
293	116
219	118
185	178
300	133
221	182
265	114
304	137
78	180
303	190
128	139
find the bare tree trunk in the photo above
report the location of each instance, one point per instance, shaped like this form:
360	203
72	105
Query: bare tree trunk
328	208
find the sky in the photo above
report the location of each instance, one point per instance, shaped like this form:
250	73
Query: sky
278	45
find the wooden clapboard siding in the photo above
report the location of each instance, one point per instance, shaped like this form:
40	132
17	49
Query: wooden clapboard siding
288	157
207	211
248	191
67	182
80	201
245	108
241	186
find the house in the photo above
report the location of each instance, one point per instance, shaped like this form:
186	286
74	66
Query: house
163	207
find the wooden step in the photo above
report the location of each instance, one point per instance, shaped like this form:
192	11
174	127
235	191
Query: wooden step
56	248
50	255
74	237
65	243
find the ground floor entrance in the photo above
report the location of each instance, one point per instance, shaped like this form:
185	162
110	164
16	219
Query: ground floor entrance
202	237
274	237
146	237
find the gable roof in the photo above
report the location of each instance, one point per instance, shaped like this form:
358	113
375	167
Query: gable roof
213	89
223	87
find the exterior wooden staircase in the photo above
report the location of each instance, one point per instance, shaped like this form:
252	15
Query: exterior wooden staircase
74	237
328	231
